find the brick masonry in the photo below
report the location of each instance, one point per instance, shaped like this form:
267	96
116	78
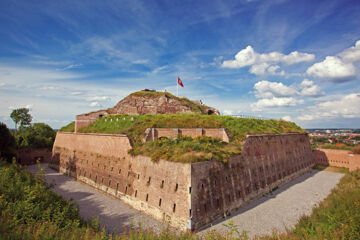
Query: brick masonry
154	133
337	158
28	156
187	196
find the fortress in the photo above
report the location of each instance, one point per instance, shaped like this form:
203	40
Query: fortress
187	195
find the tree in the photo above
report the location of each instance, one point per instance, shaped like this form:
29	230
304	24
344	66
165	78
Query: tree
39	135
7	143
22	116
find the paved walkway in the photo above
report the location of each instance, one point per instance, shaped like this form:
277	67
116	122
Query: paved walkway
111	212
282	209
279	210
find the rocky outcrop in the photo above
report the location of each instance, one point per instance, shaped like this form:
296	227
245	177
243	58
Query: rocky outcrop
152	102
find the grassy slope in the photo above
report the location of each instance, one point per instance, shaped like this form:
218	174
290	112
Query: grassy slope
194	150
29	210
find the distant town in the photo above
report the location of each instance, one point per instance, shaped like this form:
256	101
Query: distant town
335	138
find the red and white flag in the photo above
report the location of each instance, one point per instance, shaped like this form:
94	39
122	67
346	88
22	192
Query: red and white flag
180	82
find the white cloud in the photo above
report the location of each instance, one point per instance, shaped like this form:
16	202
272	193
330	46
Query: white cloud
72	66
266	89
95	104
345	107
261	62
332	69
309	88
98	98
141	61
351	54
306	117
275	102
286	118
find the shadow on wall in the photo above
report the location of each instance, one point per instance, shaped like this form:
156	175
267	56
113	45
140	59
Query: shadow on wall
258	201
28	156
88	201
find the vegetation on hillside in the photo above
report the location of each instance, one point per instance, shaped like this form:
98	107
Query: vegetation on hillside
186	149
134	127
30	210
68	128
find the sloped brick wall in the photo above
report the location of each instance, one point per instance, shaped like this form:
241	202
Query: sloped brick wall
337	158
267	162
159	189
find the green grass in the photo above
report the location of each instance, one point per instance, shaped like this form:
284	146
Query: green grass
238	128
341	147
134	127
186	149
68	128
30	210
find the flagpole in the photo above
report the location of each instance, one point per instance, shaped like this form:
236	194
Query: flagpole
177	89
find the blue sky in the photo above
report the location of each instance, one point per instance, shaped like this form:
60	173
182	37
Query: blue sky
296	60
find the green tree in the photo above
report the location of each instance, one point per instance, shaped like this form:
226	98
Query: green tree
22	116
7	143
39	135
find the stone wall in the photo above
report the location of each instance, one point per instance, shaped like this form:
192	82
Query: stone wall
337	158
84	120
187	196
159	189
154	133
267	162
28	156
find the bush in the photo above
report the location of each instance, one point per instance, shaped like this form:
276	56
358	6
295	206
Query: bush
39	135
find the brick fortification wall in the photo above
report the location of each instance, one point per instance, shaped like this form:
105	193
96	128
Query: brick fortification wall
267	161
28	156
337	158
188	196
159	189
153	133
84	120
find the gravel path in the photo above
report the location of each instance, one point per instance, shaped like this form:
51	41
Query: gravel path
279	210
282	209
111	212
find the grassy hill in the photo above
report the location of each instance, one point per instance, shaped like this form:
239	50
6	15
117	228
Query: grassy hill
186	149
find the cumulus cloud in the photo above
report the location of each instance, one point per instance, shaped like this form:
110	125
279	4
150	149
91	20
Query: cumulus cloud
275	102
261	62
351	54
339	68
264	69
333	69
266	89
309	88
345	107
95	104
